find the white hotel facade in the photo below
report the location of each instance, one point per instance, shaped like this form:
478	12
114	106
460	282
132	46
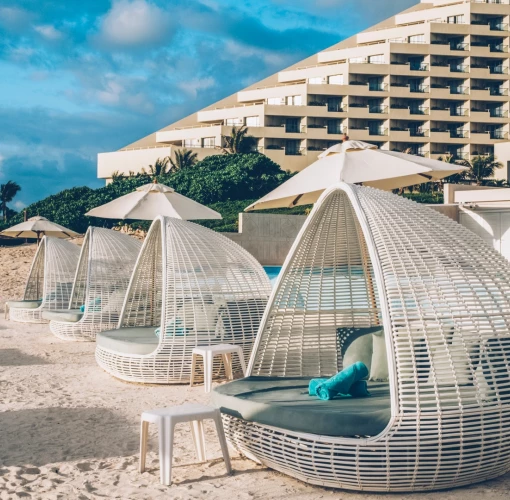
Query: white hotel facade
434	78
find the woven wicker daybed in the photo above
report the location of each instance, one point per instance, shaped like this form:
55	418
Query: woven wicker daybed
367	259
105	266
49	282
196	288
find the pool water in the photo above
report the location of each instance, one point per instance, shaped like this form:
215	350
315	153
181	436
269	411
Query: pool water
272	272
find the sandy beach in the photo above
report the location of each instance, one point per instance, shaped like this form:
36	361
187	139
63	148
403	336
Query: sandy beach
70	431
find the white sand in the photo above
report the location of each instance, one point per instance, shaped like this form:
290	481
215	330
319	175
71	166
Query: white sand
70	431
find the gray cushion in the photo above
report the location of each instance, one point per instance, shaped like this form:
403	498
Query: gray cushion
65	315
24	304
129	340
285	403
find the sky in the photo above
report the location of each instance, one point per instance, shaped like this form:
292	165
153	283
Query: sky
78	78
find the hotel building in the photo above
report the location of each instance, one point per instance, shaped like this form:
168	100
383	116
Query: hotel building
433	79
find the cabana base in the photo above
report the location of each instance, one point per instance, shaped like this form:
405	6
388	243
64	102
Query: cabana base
26	315
371	465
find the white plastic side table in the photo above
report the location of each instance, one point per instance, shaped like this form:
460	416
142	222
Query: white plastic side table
166	419
208	353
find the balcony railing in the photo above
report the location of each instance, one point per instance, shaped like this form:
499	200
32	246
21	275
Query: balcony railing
501	2
378	87
459	90
498	134
498	70
419	88
459	68
498	48
498	26
336	130
498	92
294	152
459	46
336	108
378	131
295	129
459	112
458	134
498	113
418	133
378	109
415	66
419	111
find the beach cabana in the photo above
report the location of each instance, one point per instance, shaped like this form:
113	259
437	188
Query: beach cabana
368	261
190	287
106	262
49	282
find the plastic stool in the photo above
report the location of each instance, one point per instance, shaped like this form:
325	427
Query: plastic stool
166	418
208	353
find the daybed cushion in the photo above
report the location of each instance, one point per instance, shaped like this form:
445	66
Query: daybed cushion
285	403
129	340
64	315
24	304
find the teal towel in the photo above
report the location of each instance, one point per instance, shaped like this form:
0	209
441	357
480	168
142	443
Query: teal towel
358	389
94	305
340	383
174	327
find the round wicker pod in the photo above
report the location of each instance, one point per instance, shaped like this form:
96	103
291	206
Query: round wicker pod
368	258
196	287
50	279
104	269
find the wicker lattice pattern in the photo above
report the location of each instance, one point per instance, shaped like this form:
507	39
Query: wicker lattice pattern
200	288
106	263
50	279
443	296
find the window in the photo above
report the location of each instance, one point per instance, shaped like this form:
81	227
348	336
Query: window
455	19
234	122
316	80
378	59
275	101
416	39
294	100
252	121
357	60
209	142
336	80
191	143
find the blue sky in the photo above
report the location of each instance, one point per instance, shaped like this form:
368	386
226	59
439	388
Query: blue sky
82	77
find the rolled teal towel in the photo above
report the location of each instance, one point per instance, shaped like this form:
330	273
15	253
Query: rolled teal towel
341	382
357	390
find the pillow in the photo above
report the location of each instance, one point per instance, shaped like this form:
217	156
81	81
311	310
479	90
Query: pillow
379	366
199	317
93	305
175	327
359	350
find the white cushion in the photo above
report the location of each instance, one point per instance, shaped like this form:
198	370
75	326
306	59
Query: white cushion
199	317
379	365
115	302
359	350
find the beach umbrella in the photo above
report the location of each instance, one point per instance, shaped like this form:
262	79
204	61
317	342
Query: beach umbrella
151	200
37	226
355	162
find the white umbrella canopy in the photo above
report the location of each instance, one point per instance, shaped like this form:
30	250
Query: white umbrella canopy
151	200
355	162
37	226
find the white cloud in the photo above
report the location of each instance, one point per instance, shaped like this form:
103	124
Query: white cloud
132	23
49	32
19	205
193	85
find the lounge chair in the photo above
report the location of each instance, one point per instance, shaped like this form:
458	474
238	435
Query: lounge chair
105	266
367	259
190	287
49	282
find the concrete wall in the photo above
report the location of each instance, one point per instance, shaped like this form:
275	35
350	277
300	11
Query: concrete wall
268	237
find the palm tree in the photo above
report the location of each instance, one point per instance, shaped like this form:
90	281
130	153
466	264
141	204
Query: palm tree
184	158
7	193
455	178
239	141
160	166
117	176
481	168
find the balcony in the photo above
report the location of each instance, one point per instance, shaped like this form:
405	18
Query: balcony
336	108
378	87
497	26
422	89
498	91
498	48
294	129
498	113
294	152
421	110
498	70
459	46
458	134
459	90
418	66
499	2
459	112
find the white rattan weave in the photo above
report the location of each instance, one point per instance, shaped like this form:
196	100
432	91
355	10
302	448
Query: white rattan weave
216	290
366	257
50	279
105	266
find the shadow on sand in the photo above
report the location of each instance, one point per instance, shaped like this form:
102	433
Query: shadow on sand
15	357
44	436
